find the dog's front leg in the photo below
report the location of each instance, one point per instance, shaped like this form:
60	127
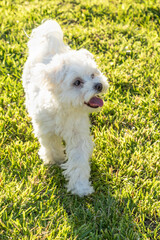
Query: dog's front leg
77	169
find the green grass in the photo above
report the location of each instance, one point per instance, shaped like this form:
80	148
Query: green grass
124	37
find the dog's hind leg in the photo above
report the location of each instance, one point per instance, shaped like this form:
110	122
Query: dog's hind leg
52	150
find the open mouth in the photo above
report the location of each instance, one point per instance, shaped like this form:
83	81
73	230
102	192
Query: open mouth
95	102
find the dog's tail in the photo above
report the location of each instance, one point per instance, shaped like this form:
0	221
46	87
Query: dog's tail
46	41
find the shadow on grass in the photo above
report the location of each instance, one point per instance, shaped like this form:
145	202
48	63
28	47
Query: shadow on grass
100	215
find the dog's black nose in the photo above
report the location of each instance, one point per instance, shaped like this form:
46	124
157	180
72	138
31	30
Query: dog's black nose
98	87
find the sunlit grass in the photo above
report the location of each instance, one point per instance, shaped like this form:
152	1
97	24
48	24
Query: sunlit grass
125	40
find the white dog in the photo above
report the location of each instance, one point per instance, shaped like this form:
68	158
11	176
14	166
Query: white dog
62	88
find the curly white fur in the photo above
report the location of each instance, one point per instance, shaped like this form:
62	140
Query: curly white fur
61	87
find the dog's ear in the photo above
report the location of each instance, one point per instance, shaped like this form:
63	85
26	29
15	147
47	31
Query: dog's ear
87	53
50	75
56	71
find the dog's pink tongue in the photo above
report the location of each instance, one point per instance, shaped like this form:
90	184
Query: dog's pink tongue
95	102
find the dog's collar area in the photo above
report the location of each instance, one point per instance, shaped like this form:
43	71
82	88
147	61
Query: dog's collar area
95	102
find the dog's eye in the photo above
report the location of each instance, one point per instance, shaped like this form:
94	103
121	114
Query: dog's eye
78	82
92	75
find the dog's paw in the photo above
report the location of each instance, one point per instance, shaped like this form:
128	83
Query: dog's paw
46	157
60	160
80	189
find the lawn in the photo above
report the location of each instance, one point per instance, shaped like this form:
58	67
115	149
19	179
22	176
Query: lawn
124	37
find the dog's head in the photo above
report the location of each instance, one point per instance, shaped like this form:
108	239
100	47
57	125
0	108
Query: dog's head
75	81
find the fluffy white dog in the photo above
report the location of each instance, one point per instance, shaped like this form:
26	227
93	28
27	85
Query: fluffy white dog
62	87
